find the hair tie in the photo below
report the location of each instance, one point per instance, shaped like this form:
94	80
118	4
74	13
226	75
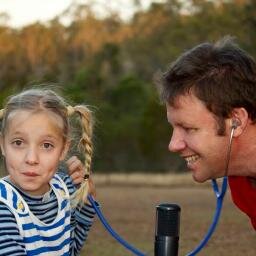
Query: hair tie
86	176
70	110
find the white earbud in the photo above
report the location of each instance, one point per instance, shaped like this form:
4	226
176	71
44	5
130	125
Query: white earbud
235	123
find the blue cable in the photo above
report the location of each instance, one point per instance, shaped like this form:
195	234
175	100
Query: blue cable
111	231
219	196
219	201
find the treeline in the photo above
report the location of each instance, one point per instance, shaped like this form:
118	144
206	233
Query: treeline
109	64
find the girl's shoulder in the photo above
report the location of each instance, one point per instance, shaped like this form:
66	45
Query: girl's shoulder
10	239
67	180
7	218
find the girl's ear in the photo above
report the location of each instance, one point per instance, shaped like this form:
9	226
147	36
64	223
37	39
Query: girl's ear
65	150
2	144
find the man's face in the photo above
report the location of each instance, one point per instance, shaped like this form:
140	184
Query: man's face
195	138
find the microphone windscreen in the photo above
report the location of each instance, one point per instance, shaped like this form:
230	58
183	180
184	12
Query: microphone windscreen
167	230
168	220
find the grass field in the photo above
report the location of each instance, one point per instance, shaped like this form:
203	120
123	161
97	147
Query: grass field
130	209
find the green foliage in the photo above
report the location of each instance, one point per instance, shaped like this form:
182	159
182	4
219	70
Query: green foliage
121	123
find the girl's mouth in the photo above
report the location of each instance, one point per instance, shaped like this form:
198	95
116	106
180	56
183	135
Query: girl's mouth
30	174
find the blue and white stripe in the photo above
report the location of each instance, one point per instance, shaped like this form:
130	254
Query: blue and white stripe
41	238
34	227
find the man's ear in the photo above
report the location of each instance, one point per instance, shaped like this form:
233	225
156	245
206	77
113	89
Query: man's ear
239	120
2	144
65	150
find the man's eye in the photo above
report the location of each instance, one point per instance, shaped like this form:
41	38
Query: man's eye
190	129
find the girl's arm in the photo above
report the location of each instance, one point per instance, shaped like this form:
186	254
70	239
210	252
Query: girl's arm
11	243
81	221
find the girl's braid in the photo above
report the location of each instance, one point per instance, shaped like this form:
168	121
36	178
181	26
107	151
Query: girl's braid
86	147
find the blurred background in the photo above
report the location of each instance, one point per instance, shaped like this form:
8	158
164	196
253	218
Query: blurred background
105	54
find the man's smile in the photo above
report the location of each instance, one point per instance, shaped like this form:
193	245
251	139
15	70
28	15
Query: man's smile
191	159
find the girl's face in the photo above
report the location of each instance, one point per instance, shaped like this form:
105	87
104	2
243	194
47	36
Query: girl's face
33	145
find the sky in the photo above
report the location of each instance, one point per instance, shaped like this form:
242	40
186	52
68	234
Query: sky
24	12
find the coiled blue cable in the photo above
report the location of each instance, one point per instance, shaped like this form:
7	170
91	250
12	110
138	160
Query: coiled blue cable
219	198
219	201
111	231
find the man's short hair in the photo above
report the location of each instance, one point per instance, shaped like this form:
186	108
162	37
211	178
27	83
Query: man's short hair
221	75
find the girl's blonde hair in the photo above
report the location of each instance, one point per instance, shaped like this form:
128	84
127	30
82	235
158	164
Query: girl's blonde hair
85	146
37	100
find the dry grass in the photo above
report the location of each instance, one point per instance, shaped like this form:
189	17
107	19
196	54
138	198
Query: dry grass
130	210
142	179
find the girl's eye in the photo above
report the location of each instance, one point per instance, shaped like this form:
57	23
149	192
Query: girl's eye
47	145
17	142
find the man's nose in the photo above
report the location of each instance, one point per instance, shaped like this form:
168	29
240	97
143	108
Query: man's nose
32	156
177	142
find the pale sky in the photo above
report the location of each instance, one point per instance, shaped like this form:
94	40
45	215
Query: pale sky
23	12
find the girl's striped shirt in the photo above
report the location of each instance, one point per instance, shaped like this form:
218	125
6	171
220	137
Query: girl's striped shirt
25	221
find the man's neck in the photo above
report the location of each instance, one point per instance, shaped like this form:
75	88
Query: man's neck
243	162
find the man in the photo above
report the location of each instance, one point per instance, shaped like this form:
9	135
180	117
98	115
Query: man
210	96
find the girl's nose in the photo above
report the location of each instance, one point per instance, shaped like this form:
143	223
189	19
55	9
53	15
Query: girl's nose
177	143
32	157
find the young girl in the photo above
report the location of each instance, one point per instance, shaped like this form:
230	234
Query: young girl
41	211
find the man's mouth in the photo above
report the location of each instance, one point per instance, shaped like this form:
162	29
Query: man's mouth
191	159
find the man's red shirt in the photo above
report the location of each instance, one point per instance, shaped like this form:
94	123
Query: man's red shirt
243	193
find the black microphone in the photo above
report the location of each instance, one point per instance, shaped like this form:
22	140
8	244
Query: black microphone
167	230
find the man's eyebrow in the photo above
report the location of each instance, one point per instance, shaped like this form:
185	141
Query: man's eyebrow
180	124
